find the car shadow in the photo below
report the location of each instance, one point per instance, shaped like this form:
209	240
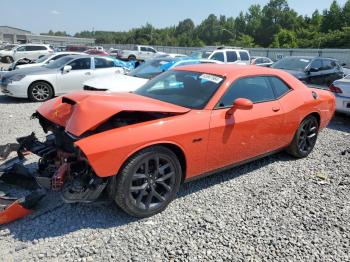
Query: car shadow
55	218
340	122
13	100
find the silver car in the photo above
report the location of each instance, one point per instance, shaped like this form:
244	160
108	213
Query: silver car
341	90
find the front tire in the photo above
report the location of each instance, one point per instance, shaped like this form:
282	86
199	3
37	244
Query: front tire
148	182
40	91
8	59
305	138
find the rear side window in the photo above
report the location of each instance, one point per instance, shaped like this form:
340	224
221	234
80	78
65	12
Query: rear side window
257	89
35	48
231	56
218	56
103	63
328	64
143	49
244	55
280	87
81	64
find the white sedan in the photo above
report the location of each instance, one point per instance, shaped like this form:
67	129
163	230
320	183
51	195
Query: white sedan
46	59
64	75
141	75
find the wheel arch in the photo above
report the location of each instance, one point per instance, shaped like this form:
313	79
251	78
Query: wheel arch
315	114
45	81
175	148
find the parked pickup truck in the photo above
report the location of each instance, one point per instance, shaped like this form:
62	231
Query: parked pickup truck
140	52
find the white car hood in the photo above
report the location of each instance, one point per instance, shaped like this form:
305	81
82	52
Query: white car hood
29	65
116	82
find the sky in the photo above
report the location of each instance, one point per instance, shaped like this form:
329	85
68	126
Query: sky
39	16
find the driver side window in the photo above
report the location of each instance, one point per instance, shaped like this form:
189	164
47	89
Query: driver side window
21	49
256	89
81	64
317	64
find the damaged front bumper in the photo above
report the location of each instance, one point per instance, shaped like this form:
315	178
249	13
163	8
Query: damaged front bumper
61	167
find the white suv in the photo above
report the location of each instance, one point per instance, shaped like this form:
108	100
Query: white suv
231	56
30	51
225	55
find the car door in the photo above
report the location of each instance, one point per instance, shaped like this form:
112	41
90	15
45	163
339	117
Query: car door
143	53
105	66
74	79
245	134
20	52
315	72
331	72
231	57
219	56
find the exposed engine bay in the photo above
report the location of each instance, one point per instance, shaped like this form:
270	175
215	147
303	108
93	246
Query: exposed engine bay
61	167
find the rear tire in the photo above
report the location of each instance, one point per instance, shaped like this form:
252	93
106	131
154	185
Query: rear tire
40	91
147	182
305	138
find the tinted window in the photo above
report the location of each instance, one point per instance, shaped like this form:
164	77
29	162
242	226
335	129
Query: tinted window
292	63
21	49
280	87
327	65
256	89
35	48
81	63
103	63
219	56
58	57
231	56
244	56
143	49
317	64
151	50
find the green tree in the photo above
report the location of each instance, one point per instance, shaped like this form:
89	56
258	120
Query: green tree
284	39
332	18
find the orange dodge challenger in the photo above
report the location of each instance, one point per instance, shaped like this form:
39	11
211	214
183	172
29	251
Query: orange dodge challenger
191	121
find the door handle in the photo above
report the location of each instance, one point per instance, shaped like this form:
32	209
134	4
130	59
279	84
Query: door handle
276	109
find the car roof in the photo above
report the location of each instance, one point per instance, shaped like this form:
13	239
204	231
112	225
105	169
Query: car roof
229	70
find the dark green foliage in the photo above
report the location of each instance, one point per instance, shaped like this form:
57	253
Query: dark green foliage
273	25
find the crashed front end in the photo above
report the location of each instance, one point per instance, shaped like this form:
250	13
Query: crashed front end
74	159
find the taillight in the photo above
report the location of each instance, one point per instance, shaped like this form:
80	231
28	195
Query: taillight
335	89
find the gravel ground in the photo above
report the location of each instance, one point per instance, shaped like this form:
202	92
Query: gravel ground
276	208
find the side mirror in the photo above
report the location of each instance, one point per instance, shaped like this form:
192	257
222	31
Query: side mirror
66	69
343	64
313	69
240	103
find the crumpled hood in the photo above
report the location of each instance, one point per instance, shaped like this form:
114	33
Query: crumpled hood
82	111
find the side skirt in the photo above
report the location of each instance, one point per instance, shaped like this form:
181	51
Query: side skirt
232	165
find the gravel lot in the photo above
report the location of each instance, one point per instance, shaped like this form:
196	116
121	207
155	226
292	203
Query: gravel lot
277	208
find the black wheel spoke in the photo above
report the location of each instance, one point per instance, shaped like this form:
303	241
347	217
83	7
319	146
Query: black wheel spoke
158	196
139	176
165	177
168	188
163	168
149	199
138	188
140	196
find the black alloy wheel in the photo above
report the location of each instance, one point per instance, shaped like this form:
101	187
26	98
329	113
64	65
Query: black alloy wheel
305	138
148	182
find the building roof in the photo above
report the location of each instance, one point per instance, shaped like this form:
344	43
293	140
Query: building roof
14	28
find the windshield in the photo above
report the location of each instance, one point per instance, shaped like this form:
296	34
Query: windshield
182	88
347	77
292	63
42	59
150	68
59	62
